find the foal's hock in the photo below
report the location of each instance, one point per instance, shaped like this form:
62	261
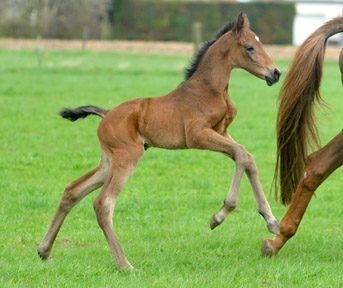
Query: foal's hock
194	115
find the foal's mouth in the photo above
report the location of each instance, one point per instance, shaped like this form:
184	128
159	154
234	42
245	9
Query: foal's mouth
273	77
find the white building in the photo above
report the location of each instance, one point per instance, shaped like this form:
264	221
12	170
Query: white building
312	14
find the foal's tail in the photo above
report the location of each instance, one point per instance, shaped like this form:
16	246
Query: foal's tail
82	112
297	132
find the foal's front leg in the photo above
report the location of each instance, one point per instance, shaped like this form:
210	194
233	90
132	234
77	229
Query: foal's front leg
211	140
262	203
231	200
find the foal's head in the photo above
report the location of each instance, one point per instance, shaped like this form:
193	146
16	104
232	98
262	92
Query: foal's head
247	52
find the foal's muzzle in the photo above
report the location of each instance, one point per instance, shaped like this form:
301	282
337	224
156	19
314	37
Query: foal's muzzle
273	77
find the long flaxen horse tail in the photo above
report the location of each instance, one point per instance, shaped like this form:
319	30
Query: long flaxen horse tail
297	132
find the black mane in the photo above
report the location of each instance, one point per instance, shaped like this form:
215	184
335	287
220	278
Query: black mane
204	47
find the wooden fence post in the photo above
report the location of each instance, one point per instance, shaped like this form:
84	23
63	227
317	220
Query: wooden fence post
39	50
197	35
84	37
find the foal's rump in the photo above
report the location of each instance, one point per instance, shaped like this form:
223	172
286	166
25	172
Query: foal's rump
152	122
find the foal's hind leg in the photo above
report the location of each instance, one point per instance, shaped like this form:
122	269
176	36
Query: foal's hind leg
73	194
319	166
123	164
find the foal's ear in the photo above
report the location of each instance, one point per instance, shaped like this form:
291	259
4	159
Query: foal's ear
241	23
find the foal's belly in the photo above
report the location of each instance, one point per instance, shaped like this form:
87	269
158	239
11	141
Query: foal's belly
161	125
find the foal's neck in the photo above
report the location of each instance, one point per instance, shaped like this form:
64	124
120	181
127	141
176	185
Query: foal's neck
215	68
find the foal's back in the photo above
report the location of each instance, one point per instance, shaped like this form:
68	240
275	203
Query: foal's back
152	122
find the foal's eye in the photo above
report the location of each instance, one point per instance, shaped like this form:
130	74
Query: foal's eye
249	49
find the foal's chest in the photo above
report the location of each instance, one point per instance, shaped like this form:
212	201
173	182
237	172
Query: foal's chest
227	117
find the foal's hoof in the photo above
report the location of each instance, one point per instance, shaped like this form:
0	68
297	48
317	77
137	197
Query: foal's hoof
274	227
127	268
267	248
214	222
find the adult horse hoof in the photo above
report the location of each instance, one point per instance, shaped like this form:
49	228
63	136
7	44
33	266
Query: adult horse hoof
267	248
274	228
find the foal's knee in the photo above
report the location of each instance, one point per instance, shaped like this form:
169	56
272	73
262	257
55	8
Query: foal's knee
252	167
241	156
246	160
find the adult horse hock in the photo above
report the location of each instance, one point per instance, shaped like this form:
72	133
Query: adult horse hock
194	115
297	133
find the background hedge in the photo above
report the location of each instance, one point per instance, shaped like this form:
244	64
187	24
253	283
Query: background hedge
172	20
163	20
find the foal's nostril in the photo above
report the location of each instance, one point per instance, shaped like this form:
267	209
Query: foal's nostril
277	74
273	76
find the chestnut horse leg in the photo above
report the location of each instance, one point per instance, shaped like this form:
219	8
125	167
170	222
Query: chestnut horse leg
211	140
319	166
74	192
123	164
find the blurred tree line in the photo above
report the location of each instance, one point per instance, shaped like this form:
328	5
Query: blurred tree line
172	20
140	19
66	19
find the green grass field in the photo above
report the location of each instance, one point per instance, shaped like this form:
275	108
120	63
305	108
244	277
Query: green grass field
162	215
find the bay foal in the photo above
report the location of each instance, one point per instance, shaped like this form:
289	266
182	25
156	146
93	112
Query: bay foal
194	115
297	132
